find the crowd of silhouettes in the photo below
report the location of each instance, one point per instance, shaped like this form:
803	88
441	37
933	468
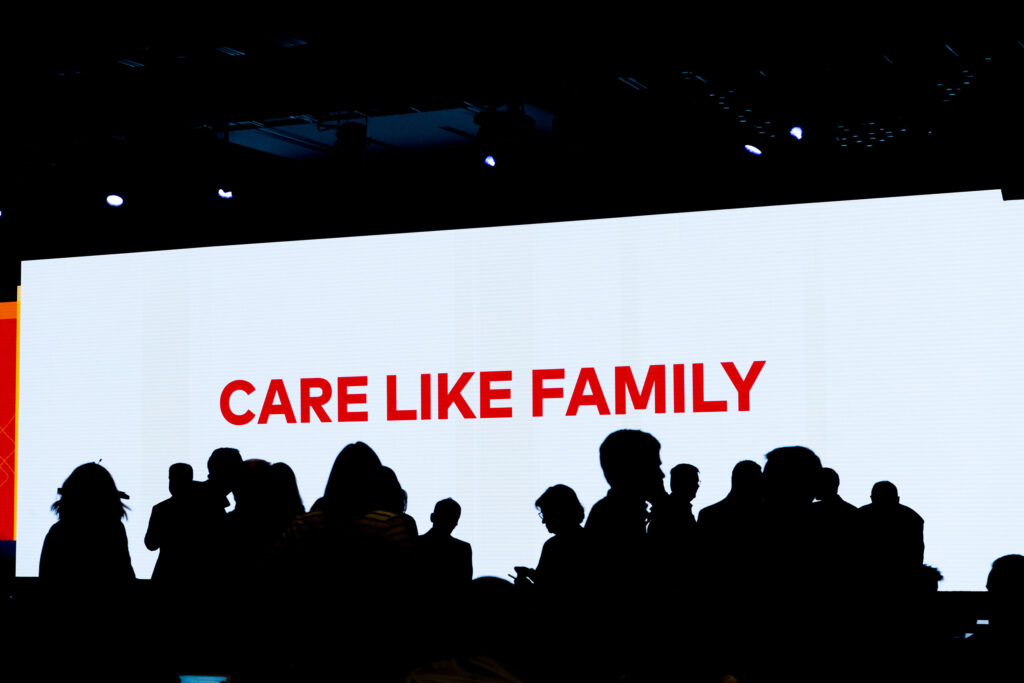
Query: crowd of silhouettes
780	580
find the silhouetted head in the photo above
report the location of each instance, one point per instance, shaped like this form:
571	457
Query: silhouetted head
560	508
285	490
1006	578
446	515
684	480
884	494
746	480
90	494
791	475
828	483
1006	585
351	487
380	491
396	500
223	467
354	464
179	478
252	485
631	461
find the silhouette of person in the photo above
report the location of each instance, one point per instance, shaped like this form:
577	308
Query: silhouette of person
673	516
829	501
837	521
88	544
739	506
384	537
285	498
380	572
349	560
787	606
345	493
732	520
892	539
173	526
616	534
357	533
994	652
564	559
673	530
213	539
224	468
447	562
729	530
252	527
558	591
90	589
791	477
1006	586
631	462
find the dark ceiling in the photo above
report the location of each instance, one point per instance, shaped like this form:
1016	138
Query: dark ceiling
348	125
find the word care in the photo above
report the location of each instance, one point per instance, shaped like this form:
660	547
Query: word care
443	395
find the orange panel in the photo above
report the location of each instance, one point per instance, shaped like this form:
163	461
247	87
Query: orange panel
8	404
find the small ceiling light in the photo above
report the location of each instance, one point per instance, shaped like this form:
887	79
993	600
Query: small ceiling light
115	200
753	150
797	132
489	161
225	194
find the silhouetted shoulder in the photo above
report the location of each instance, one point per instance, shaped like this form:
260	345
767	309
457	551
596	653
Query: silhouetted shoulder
304	527
563	559
618	515
389	527
88	543
96	554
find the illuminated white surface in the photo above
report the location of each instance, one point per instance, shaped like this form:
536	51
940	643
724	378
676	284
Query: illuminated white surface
890	330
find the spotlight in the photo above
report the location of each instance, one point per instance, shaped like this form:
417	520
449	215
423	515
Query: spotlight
115	200
225	194
753	150
505	133
797	132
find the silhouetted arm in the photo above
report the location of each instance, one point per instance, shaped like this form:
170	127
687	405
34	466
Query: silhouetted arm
155	532
124	557
467	565
49	562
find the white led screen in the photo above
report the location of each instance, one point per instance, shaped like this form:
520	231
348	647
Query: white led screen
889	332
